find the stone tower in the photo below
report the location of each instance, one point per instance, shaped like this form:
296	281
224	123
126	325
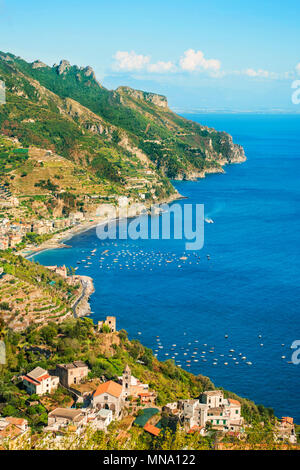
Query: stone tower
126	382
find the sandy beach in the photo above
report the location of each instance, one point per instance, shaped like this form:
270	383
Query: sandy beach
58	240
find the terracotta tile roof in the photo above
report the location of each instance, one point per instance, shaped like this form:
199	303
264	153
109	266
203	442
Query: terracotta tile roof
43	377
234	402
28	379
16	421
195	429
10	431
110	387
152	429
287	419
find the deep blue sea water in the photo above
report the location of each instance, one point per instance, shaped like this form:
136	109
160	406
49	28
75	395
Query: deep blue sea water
249	287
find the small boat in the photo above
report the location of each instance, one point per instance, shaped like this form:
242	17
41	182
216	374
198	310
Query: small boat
209	221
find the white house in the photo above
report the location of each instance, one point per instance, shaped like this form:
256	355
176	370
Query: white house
39	382
101	419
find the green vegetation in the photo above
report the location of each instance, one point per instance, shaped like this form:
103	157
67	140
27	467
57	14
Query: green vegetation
32	294
91	129
11	158
78	339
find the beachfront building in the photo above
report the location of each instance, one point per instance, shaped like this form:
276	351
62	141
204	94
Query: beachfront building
39	382
73	373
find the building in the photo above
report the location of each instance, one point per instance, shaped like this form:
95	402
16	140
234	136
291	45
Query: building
4	242
171	408
66	418
109	396
39	382
218	417
212	398
152	429
285	430
101	420
132	386
221	413
110	322
11	428
73	373
194	413
126	382
60	270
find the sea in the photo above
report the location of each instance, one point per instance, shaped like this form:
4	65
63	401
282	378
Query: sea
229	311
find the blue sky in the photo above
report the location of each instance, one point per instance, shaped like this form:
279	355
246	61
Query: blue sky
217	54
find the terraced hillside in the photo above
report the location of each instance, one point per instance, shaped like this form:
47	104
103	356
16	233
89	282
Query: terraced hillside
31	294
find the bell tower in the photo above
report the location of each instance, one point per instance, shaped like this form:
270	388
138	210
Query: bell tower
126	382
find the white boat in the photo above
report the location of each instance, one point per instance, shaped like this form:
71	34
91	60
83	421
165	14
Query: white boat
209	221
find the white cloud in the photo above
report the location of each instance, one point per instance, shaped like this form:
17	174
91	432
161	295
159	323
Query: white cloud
130	61
195	61
298	68
192	61
258	73
161	67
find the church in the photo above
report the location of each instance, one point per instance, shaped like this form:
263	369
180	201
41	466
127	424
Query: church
112	395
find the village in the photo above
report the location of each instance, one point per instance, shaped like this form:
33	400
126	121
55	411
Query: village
52	231
96	403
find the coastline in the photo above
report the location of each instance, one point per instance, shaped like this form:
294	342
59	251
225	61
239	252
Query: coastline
58	240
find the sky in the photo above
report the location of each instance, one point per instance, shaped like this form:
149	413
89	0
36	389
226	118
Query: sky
230	55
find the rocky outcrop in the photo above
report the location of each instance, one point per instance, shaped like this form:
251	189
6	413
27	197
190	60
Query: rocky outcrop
237	153
89	72
63	67
37	64
155	99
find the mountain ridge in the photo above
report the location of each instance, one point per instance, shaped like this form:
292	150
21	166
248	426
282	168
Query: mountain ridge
128	141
